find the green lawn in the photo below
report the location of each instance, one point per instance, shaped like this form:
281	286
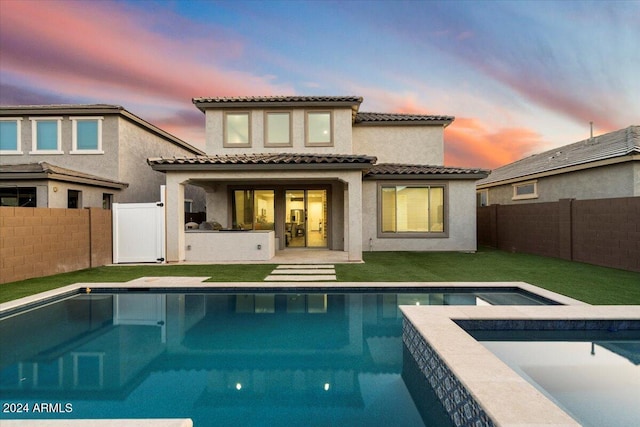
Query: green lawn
592	284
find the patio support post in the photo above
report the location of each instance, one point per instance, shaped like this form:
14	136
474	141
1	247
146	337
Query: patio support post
353	215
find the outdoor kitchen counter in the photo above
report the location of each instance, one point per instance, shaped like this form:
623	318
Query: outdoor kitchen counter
229	245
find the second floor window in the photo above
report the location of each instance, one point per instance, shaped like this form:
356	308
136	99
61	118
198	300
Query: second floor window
319	128
237	130
10	136
87	135
278	129
46	135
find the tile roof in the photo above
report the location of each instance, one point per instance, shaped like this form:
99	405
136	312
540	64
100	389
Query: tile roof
419	171
277	99
402	118
265	159
273	101
47	170
608	146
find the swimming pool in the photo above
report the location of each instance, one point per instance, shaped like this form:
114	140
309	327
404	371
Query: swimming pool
246	359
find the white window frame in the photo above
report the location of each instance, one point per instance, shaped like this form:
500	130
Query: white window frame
34	135
309	143
74	132
266	129
226	142
18	150
533	195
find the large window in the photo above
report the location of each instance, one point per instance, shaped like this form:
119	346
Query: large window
319	128
46	135
278	129
10	136
18	196
253	209
87	135
237	129
412	210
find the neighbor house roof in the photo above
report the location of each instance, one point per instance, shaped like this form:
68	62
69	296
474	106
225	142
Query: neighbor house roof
263	161
92	109
582	154
389	118
402	171
44	170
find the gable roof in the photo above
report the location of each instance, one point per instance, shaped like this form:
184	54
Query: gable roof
44	170
263	161
402	119
611	145
93	109
402	171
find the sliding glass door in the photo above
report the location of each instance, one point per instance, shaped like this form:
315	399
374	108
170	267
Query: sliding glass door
306	218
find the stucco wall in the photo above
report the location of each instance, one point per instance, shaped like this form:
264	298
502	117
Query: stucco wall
461	219
341	133
103	165
136	146
619	180
401	144
38	242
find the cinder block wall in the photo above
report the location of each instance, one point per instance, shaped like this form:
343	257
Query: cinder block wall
603	232
36	242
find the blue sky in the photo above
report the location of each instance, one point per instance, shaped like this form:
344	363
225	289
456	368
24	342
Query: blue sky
519	76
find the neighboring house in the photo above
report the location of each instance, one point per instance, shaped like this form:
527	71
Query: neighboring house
604	166
76	156
314	172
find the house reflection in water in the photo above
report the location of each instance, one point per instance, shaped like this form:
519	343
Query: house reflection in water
231	350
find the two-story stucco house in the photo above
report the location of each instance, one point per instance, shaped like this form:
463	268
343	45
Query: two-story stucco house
289	172
76	156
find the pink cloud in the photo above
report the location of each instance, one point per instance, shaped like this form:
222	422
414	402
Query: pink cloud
468	142
106	50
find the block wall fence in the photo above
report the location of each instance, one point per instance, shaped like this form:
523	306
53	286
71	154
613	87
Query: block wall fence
36	242
603	232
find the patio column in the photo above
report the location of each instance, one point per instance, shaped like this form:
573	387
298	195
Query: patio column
175	218
353	215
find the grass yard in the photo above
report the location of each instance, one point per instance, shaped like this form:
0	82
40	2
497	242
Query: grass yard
589	283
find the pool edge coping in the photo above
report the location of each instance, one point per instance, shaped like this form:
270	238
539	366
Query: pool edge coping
195	283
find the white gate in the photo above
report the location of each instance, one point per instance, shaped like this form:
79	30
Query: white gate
138	232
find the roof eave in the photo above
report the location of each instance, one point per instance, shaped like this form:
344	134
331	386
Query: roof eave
427	176
258	167
9	176
211	105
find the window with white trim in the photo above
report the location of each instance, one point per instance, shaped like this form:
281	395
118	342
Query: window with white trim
46	135
412	210
319	128
10	141
237	129
525	190
86	135
277	129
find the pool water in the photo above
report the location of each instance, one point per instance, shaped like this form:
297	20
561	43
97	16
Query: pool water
220	359
597	382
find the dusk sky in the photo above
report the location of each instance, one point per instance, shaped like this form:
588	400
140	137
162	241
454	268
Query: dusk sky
520	77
